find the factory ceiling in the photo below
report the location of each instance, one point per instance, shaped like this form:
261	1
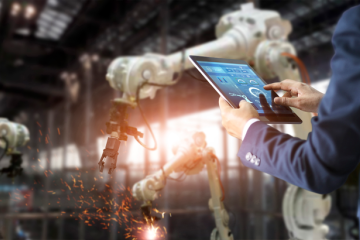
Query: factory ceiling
40	39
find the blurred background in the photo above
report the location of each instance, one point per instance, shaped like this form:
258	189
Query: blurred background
54	56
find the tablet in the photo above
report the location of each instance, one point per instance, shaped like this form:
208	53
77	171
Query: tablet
235	80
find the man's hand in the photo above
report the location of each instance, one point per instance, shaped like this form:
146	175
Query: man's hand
306	98
233	119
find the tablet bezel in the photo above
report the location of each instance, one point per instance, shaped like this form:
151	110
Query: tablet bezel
268	118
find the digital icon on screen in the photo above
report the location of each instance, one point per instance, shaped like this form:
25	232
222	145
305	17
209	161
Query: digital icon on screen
253	82
222	79
208	69
241	81
242	96
236	70
244	71
229	70
217	69
256	92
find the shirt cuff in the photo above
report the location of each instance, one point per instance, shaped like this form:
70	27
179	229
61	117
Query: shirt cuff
247	125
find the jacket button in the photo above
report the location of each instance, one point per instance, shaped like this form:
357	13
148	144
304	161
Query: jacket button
248	156
252	160
257	161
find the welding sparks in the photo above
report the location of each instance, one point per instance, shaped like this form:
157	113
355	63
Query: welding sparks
151	233
97	202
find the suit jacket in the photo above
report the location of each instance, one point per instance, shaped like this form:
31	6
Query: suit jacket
332	150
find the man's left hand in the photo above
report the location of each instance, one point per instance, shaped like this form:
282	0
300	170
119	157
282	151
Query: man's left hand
233	119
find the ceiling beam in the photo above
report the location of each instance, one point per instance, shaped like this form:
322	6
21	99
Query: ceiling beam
35	91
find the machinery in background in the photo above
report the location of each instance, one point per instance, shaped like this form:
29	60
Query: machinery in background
191	155
304	213
12	135
256	36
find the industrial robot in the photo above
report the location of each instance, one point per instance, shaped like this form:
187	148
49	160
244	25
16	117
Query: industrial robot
256	36
191	155
12	135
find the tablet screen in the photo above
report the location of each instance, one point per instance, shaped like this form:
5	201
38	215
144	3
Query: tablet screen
239	82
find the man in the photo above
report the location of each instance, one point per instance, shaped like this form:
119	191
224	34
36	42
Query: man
332	151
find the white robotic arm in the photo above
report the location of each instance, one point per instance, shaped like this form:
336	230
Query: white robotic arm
12	135
304	213
253	35
187	155
16	135
190	157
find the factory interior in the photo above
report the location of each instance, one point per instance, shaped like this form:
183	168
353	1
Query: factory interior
66	67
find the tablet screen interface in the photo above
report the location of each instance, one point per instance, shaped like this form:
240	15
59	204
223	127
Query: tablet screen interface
239	82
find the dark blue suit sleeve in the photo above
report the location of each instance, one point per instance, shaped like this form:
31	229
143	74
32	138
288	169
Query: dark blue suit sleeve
332	151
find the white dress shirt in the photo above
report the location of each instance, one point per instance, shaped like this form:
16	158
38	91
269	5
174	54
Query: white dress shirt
247	125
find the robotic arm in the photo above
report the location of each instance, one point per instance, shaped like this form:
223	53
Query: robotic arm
12	135
190	157
304	213
257	36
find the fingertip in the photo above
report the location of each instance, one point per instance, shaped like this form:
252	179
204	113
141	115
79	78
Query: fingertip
277	100
242	102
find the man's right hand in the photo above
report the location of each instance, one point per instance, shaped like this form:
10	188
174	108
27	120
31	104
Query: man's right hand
306	98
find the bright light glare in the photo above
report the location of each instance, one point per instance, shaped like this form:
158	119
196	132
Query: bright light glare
30	11
15	9
151	233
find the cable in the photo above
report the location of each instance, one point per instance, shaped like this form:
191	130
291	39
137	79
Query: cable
303	71
159	85
6	147
299	64
156	85
187	168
